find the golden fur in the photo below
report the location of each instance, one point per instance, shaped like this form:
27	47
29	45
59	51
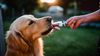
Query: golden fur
24	37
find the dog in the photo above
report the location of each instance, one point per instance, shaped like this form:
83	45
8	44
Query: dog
24	37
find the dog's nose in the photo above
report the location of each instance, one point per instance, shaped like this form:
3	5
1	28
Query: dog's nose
49	19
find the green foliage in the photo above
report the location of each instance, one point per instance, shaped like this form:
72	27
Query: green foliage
6	25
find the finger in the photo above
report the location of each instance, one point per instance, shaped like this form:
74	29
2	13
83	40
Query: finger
72	26
71	22
68	21
77	24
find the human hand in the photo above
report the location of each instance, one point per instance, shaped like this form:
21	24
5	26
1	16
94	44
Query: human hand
75	21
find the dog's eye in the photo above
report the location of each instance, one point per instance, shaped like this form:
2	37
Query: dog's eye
31	22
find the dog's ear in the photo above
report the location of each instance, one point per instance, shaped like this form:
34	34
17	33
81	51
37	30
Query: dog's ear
18	34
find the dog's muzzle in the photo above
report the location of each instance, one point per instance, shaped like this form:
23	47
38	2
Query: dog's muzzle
49	20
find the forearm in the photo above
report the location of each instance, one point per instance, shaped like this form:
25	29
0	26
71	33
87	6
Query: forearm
95	16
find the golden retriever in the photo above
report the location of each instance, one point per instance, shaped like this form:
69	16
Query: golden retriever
24	37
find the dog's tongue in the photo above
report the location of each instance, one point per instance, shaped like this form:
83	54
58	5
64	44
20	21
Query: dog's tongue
55	27
58	24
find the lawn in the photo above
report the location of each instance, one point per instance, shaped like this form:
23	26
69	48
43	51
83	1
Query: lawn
68	42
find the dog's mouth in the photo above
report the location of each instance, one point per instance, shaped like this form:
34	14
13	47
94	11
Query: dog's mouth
50	28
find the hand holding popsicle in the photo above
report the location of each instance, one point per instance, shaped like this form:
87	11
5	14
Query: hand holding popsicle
76	21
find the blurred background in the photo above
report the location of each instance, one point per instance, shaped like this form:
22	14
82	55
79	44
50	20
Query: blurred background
65	42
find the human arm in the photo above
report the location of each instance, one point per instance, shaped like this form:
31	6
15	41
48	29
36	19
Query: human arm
75	21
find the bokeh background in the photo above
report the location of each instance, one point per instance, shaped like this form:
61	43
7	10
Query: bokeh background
82	41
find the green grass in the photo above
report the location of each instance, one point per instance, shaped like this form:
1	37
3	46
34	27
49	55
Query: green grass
68	42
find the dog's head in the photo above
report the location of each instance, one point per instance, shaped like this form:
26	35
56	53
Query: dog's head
29	26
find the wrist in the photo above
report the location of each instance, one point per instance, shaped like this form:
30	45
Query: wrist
87	18
84	18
